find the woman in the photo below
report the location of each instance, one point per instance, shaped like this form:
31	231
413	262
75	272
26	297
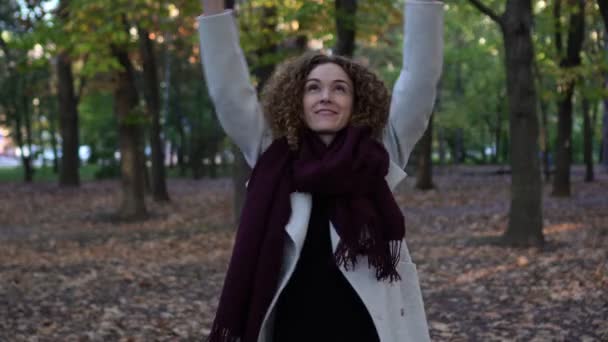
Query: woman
320	253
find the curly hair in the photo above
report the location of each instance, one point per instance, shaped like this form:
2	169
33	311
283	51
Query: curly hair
283	93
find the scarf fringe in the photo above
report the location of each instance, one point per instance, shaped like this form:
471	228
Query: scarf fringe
219	334
386	268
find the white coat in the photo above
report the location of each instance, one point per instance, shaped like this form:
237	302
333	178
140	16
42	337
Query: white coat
396	308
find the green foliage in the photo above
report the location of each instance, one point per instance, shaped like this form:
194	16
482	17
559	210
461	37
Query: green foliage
108	170
98	125
472	95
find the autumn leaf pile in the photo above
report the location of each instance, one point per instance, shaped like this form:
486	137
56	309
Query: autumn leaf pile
69	271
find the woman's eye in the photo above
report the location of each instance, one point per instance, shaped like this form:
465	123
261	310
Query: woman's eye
312	87
341	89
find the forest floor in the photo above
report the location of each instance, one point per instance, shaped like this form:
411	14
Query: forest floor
70	272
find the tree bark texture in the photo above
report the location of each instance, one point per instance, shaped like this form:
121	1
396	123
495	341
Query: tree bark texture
68	114
525	215
68	122
152	96
130	140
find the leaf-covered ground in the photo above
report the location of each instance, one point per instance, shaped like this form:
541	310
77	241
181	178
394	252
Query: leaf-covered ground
69	272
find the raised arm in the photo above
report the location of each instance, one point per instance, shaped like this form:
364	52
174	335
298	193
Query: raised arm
414	92
227	77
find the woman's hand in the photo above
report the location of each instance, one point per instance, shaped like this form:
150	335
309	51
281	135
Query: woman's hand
211	7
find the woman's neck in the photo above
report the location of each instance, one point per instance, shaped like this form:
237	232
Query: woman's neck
327	138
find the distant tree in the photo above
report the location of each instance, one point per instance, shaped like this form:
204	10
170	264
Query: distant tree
345	17
568	60
152	96
132	164
424	171
587	140
604	11
525	214
18	78
68	111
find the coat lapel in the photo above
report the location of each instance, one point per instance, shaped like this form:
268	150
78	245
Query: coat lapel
395	175
301	206
297	226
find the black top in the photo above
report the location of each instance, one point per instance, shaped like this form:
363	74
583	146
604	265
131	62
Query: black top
318	303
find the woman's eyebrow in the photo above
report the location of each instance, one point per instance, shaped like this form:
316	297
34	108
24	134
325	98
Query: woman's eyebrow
336	80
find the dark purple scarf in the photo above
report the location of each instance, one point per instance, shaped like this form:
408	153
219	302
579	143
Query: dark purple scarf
351	172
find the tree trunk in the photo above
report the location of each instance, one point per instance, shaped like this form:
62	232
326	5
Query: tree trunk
544	140
132	165
27	118
345	27
525	214
605	135
442	147
181	151
424	172
167	94
151	93
504	151
68	113
563	145
603	4
459	148
53	131
68	122
588	142
604	146
196	149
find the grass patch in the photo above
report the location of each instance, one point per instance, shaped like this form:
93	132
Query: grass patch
44	174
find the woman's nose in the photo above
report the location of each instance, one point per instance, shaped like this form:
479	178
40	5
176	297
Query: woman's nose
325	96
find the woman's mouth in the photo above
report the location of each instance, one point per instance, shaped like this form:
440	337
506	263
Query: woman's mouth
325	112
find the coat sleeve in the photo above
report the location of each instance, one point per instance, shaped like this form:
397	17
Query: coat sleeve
414	92
230	88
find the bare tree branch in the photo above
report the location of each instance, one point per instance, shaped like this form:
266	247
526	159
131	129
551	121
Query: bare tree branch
487	11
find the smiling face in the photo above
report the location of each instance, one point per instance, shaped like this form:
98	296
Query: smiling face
328	100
